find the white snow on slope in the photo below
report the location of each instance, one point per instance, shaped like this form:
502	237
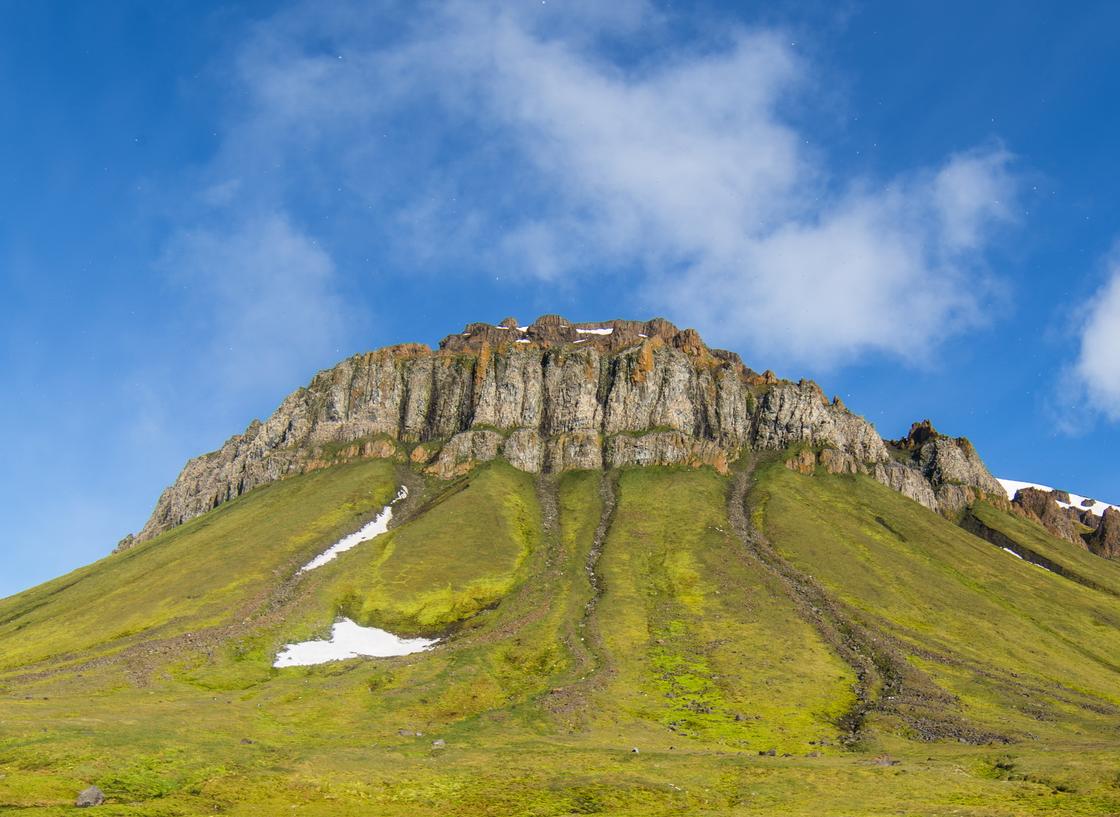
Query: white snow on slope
378	526
602	330
1028	561
1012	485
350	640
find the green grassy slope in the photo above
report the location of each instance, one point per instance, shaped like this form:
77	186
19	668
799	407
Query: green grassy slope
714	650
1025	536
582	615
1029	652
205	573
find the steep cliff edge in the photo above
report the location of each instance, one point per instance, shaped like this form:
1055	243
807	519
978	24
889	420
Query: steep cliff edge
554	396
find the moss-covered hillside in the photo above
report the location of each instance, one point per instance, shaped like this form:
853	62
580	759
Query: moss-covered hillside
641	641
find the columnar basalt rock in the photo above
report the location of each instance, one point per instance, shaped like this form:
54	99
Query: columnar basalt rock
945	474
789	413
551	396
908	481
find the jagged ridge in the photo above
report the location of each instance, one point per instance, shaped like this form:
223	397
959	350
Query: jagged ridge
555	396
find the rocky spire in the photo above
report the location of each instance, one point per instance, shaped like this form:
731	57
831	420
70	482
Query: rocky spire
1105	540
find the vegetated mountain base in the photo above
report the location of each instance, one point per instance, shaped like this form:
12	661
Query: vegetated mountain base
642	579
642	640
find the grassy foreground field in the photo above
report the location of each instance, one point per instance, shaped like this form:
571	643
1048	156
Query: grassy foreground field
627	643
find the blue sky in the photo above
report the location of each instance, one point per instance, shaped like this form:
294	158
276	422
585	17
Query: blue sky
201	204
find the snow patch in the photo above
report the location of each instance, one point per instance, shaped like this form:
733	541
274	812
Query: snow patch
581	340
1098	508
601	330
522	340
1028	561
378	526
350	640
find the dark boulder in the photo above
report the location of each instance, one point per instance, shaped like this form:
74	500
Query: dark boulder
92	796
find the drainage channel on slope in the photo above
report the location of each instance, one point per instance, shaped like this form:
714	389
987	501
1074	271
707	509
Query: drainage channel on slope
606	517
885	681
608	497
584	642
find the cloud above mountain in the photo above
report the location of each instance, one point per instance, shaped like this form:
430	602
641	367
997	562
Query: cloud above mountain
1097	369
568	145
262	299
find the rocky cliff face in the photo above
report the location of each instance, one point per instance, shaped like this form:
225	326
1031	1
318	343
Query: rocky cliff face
1042	507
949	466
555	396
1079	525
1105	539
943	473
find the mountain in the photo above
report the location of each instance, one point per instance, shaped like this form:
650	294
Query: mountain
571	569
557	396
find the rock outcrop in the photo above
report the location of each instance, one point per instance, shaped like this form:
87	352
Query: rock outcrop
1105	540
1042	507
943	473
949	466
554	396
1053	510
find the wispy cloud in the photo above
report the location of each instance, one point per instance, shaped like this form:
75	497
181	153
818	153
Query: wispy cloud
261	300
528	140
1096	372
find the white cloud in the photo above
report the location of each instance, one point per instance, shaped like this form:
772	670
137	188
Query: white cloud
531	148
1097	369
261	301
969	194
876	271
689	169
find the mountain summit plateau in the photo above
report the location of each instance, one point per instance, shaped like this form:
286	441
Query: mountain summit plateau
556	396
